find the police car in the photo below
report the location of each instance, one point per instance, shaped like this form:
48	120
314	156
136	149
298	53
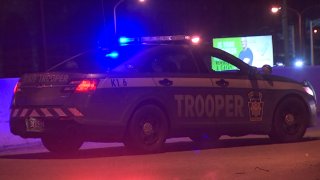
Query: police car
149	89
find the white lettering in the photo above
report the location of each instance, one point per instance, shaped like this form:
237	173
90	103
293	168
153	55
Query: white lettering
189	106
229	105
209	106
179	99
238	104
219	104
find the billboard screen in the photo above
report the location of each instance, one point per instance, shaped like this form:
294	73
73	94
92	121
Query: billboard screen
254	50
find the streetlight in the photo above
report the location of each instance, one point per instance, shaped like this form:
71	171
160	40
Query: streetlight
313	23
115	14
276	9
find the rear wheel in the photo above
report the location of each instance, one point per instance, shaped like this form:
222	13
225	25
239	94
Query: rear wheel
290	121
147	130
62	143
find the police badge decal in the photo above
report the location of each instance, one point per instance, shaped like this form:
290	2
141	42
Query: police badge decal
255	106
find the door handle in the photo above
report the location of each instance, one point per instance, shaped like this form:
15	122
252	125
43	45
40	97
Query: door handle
222	83
166	82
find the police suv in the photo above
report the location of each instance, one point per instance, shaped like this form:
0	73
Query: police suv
149	89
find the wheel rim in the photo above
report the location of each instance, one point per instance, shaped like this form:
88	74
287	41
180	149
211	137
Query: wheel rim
149	131
291	121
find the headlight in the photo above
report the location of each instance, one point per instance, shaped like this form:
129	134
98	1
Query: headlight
309	91
308	88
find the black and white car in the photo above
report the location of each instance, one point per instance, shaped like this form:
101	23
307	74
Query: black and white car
145	92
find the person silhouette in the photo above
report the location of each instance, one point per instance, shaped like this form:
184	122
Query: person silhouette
246	53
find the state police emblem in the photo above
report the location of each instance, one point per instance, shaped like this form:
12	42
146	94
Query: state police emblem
255	106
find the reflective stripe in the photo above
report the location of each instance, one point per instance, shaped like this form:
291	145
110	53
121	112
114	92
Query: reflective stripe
197	82
234	83
24	112
46	112
59	112
126	82
34	114
15	112
75	112
186	82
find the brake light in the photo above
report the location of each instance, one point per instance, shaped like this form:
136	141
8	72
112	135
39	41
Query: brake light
195	40
17	87
87	85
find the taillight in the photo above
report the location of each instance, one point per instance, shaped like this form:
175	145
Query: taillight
17	88
87	86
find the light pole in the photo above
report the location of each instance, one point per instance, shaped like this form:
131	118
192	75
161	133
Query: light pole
275	10
312	24
115	14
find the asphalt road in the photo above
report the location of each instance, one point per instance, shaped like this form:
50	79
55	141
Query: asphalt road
250	157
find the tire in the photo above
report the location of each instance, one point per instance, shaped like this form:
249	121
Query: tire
290	121
147	130
62	143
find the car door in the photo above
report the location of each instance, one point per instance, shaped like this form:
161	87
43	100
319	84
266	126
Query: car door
179	85
237	102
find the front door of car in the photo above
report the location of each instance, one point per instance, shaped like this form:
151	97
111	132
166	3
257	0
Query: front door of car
232	90
181	86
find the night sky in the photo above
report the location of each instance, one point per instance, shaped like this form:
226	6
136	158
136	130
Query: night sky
69	27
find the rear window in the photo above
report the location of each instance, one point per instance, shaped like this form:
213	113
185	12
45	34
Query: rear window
97	61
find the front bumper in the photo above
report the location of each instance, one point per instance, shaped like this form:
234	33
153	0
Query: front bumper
313	114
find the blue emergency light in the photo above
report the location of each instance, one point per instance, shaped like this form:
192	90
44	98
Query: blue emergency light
113	54
125	40
159	39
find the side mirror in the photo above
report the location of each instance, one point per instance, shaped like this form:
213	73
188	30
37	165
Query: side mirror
253	70
266	69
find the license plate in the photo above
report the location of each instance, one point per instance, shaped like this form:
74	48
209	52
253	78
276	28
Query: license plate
34	125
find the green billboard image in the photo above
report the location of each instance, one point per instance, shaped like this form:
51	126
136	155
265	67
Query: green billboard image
253	50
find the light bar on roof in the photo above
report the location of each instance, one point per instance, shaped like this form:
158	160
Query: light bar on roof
165	38
155	39
126	40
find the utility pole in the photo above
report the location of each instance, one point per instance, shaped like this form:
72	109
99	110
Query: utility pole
285	32
44	36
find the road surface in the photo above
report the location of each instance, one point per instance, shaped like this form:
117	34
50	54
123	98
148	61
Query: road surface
250	157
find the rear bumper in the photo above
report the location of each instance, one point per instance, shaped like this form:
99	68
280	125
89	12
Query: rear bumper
96	133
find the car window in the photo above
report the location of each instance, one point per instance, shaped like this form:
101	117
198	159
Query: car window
220	65
98	61
87	62
160	60
219	62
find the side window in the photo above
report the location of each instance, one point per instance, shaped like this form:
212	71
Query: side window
171	59
218	64
171	62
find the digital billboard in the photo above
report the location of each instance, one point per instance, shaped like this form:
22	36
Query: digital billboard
254	50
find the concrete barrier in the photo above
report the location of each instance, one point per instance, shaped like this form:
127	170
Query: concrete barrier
8	140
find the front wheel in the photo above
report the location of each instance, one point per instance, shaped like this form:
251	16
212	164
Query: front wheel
290	121
147	130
